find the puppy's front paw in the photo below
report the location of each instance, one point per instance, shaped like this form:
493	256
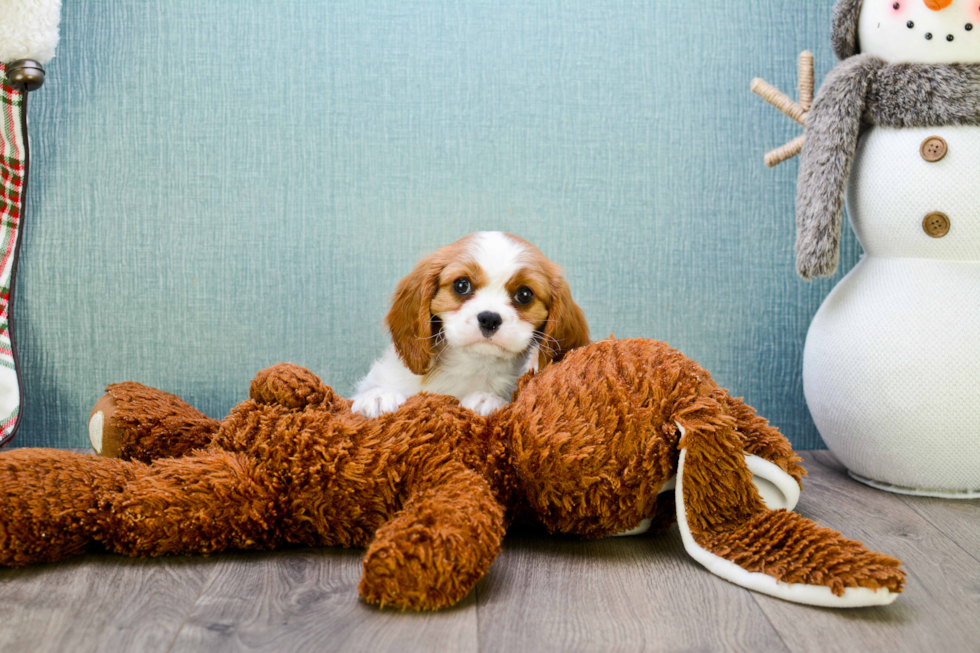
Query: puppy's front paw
378	401
483	403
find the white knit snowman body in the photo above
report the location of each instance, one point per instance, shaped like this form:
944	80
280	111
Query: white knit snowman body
891	367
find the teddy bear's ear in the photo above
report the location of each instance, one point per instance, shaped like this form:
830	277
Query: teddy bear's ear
409	320
727	526
844	29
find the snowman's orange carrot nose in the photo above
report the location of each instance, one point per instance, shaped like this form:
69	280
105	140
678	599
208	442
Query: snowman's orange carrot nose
936	5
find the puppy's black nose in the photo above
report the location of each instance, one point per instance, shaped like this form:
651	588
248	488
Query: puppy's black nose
489	322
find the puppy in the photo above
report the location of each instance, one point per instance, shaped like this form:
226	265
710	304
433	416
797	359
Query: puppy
468	321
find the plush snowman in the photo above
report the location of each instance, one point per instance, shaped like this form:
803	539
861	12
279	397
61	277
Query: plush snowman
891	367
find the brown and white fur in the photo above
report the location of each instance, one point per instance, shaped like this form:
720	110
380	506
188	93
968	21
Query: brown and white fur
473	345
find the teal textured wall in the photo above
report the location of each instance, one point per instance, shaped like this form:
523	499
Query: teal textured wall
219	185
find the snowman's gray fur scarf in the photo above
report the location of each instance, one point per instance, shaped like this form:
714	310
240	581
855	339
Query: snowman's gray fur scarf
861	91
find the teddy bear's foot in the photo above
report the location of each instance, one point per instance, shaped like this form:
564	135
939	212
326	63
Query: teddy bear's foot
133	421
52	502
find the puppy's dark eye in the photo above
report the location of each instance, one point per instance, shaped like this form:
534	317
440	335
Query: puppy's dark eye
462	286
524	295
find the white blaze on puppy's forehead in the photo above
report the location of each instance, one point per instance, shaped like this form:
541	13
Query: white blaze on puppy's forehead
498	255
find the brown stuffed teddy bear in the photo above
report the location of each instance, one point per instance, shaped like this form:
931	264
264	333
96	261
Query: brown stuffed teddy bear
586	447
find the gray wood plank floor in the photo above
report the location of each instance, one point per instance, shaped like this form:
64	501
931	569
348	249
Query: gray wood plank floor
543	594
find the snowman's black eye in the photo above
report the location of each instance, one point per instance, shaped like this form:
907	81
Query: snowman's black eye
949	37
910	24
462	286
928	36
896	6
524	295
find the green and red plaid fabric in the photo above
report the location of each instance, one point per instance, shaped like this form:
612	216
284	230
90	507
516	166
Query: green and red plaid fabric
13	173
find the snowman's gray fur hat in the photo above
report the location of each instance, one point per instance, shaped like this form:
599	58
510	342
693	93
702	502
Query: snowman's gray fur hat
844	30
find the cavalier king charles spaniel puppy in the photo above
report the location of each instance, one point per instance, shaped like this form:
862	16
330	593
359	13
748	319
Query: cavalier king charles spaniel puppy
468	321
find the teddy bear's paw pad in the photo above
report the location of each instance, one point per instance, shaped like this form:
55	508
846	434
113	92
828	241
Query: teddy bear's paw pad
105	436
95	423
640	529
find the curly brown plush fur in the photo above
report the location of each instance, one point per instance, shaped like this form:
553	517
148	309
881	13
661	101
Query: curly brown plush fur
584	448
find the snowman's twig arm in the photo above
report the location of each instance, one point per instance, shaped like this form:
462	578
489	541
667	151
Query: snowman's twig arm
832	128
795	110
785	152
778	99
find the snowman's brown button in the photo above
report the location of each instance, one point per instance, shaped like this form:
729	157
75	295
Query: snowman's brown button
936	224
933	149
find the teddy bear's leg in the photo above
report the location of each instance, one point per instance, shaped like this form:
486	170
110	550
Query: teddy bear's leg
295	387
436	548
761	439
727	528
203	502
133	421
52	502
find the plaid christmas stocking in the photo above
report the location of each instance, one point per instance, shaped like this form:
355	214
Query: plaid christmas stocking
13	184
28	37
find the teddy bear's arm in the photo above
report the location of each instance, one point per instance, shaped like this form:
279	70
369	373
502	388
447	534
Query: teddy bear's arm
435	549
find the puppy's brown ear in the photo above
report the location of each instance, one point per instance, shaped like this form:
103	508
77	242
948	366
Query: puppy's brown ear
409	320
566	327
